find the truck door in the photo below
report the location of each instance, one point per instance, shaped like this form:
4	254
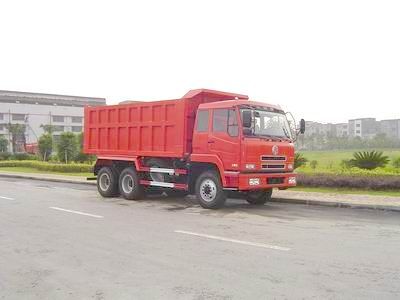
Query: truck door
200	134
223	138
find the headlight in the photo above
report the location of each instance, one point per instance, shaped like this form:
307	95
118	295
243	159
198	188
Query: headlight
290	167
254	181
250	166
292	180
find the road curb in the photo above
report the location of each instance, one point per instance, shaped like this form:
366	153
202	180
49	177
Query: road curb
278	200
61	180
337	204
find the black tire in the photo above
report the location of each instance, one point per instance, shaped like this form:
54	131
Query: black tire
129	184
209	191
107	182
259	197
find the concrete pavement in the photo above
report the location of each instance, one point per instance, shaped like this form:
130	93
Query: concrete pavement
63	241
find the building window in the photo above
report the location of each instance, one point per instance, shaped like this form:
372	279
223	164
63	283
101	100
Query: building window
18	117
202	121
58	128
1	116
358	125
58	118
76	128
2	127
358	131
77	119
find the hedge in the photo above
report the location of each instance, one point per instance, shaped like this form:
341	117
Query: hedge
52	167
349	181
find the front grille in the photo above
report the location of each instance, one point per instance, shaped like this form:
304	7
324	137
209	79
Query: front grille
269	166
273	158
275	180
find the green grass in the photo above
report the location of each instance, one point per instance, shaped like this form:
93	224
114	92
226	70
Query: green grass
329	162
35	171
346	191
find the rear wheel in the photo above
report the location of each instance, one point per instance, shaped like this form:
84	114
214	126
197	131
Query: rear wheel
209	191
129	184
259	197
107	182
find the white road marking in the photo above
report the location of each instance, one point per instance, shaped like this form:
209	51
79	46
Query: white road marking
234	241
6	198
76	212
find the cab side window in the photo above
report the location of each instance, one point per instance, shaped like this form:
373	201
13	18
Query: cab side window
220	120
233	126
202	121
225	120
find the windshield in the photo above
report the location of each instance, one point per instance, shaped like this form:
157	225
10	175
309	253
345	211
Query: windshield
267	123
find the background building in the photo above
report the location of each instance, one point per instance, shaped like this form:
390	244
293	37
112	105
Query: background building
365	128
33	110
390	127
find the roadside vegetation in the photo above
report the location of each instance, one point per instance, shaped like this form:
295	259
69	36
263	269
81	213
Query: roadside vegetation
59	157
368	170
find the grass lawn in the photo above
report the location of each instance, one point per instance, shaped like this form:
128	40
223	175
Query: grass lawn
32	170
346	191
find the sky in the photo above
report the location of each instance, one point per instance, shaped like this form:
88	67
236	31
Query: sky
326	61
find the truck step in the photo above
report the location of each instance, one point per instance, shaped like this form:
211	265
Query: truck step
179	186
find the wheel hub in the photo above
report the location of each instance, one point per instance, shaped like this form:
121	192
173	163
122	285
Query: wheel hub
208	190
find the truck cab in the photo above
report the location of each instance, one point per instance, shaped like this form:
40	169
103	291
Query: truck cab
250	142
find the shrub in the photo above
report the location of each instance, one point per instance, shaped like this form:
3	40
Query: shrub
349	181
396	163
346	164
369	160
23	156
5	155
44	166
313	164
299	160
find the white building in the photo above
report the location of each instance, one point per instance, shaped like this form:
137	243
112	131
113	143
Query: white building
33	110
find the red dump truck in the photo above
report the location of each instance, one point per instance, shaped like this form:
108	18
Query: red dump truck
209	143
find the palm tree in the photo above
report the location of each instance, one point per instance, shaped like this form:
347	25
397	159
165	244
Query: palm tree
369	160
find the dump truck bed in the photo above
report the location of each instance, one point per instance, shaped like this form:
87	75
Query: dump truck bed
156	129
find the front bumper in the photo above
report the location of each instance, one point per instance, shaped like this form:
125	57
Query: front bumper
255	181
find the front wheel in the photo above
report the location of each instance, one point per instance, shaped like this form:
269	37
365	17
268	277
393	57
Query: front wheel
209	191
259	197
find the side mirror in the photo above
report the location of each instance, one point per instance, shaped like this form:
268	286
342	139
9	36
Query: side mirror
302	126
246	118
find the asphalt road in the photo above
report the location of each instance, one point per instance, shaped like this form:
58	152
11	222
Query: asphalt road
63	241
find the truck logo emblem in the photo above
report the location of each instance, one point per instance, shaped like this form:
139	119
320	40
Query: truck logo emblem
275	150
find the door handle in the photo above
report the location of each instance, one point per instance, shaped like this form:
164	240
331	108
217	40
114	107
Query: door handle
211	142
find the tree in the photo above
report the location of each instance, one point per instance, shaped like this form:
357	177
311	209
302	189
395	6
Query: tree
17	132
45	145
299	160
67	147
47	128
3	144
82	157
